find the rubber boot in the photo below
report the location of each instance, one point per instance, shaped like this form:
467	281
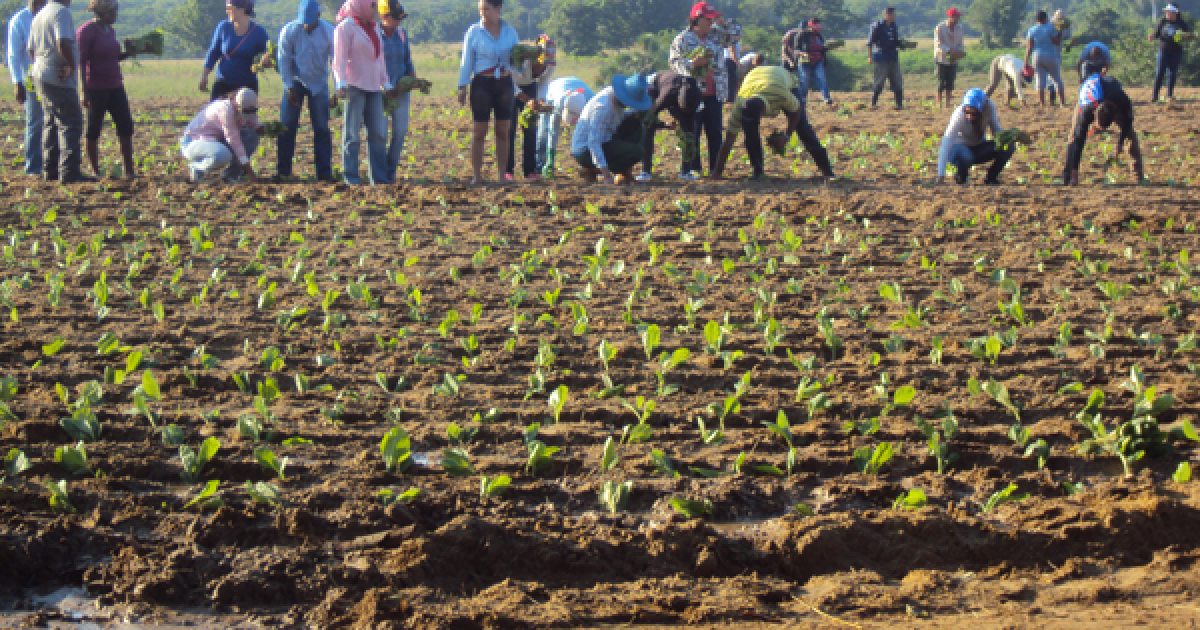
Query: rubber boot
821	159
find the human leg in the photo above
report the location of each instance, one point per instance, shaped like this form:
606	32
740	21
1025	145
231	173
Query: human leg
879	72
249	138
995	76
529	165
812	144
376	123
517	107
1160	73
206	157
998	157
289	115
399	117
318	113
897	81
49	136
822	83
1172	62
624	150
962	157
63	109
352	122
122	116
33	133
712	129
503	100
648	150
752	112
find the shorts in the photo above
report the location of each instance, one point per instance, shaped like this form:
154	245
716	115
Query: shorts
946	72
492	94
115	103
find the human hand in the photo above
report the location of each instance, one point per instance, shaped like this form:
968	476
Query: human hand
64	73
21	94
462	96
203	84
294	98
341	94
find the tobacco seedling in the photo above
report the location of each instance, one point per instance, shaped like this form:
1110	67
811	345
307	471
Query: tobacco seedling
195	461
73	458
388	496
608	352
825	326
269	460
692	509
456	463
1134	439
668	362
870	461
650	336
731	405
939	436
493	486
1183	473
558	400
608	456
396	448
783	428
642	408
207	498
540	456
614	496
914	499
60	500
1001	497
263	493
710	436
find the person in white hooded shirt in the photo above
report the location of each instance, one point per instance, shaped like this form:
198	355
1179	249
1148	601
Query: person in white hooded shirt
566	97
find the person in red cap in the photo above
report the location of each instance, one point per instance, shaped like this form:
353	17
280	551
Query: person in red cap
709	31
948	48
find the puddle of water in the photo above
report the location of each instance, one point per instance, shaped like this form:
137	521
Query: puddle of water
76	610
742	527
430	459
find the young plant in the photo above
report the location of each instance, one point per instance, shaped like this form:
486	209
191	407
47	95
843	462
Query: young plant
73	458
269	460
540	456
60	500
692	509
710	436
783	428
207	498
870	461
731	405
668	362
650	336
1001	497
1041	450
614	496
396	450
832	340
493	486
263	493
456	463
195	461
914	499
938	437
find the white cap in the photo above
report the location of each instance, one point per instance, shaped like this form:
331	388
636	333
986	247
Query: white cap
1171	7
246	98
573	105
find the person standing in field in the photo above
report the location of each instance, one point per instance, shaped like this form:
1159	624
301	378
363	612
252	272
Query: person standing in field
100	58
883	42
709	31
964	144
398	56
1093	59
764	94
804	53
1063	26
486	67
532	78
215	139
1102	101
1171	32
948	48
675	93
1008	68
565	100
52	46
607	141
1041	52
305	52
236	44
360	75
19	64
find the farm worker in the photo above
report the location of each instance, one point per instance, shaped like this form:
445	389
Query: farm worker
1171	32
565	99
100	57
748	62
487	67
217	137
804	53
948	48
305	50
606	141
709	31
883	41
52	48
1101	101
19	63
1062	25
765	92
1008	68
1093	59
236	44
397	54
675	93
963	144
1041	52
733	60
533	81
360	75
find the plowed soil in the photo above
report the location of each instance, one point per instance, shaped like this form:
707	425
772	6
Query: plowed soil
537	277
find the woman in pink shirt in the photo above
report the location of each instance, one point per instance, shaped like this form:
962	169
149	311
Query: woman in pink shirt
360	74
100	58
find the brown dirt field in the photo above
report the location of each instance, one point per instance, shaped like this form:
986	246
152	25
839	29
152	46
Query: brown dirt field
546	552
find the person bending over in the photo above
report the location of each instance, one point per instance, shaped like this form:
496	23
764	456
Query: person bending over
565	99
964	145
1008	68
1102	101
765	92
1093	59
681	96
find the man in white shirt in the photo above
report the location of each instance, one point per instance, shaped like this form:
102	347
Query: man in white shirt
605	140
19	64
55	68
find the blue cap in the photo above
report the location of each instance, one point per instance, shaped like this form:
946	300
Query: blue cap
976	98
308	12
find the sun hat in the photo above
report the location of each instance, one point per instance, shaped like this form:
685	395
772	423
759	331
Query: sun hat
1058	15
976	98
245	5
392	9
953	12
632	91
1171	6
573	105
704	10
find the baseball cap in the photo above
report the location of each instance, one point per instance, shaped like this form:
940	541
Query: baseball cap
574	104
953	12
704	10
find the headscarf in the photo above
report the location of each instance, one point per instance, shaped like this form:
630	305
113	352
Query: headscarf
308	11
364	13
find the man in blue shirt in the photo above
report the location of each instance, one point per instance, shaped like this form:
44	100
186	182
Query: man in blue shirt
305	50
398	58
883	40
18	68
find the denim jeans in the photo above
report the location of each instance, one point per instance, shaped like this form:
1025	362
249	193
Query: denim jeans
528	136
1166	63
1049	69
364	108
708	122
206	157
963	157
62	130
548	132
318	114
399	132
812	77
621	152
33	134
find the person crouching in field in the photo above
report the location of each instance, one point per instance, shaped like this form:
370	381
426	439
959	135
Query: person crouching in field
223	135
565	98
1008	69
606	141
1102	101
963	144
764	93
681	95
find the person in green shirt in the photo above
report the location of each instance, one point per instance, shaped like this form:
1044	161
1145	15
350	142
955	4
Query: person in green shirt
765	92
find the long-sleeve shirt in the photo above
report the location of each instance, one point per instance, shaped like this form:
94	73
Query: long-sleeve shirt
1165	34
664	89
1011	66
961	131
799	42
1095	89
99	56
947	39
18	42
597	124
1086	53
233	54
524	76
398	55
557	92
220	121
483	53
720	37
772	85
884	40
355	63
304	57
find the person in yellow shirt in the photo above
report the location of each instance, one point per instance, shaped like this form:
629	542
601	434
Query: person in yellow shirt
765	92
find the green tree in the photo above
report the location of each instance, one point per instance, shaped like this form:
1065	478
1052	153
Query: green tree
191	24
998	20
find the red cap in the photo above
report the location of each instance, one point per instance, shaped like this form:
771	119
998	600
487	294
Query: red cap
704	10
953	12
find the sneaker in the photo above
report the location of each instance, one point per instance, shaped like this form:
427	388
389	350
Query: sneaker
644	177
688	177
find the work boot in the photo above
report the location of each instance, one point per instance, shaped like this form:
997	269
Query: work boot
899	100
